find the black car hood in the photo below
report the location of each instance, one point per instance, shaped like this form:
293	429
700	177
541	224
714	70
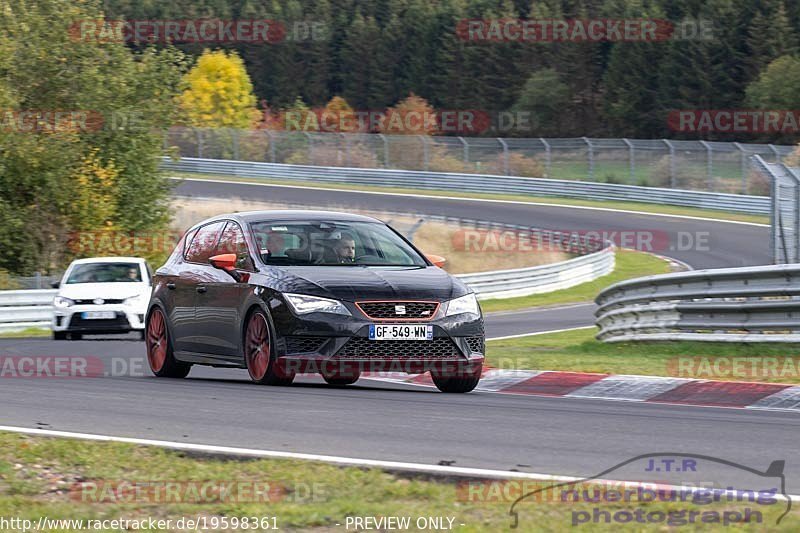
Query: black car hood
352	283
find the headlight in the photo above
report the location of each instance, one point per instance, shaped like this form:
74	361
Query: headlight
133	300
465	304
303	304
60	301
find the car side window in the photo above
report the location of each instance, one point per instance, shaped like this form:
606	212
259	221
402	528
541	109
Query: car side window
232	242
204	243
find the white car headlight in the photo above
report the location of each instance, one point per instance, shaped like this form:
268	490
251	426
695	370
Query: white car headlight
60	301
465	304
303	304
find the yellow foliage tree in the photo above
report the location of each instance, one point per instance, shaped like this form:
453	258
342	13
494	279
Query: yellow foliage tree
218	93
412	116
95	201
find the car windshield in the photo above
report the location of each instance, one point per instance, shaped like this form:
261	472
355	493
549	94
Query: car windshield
330	243
105	273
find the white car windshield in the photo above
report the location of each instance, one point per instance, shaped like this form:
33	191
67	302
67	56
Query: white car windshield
105	273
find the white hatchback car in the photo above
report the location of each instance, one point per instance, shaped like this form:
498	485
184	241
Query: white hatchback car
102	295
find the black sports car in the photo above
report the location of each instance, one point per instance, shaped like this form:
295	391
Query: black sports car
287	292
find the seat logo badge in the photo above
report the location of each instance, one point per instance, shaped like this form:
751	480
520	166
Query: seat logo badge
399	309
98	301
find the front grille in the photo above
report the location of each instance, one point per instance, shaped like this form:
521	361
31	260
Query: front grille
362	348
91	302
475	344
399	310
303	344
119	322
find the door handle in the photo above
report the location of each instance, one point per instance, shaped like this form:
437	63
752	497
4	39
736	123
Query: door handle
171	286
201	289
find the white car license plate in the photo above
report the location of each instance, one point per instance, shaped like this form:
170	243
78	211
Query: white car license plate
98	315
406	332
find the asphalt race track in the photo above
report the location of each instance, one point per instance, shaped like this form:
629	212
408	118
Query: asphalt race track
728	245
378	420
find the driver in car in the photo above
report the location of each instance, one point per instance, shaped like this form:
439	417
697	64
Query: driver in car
345	250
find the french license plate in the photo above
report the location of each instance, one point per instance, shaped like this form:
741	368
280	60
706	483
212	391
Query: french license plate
406	332
98	315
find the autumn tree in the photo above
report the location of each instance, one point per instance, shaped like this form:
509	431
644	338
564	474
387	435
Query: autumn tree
218	93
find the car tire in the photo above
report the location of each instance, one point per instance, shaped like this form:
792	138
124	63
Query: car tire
143	335
160	355
457	382
75	336
59	335
259	352
341	379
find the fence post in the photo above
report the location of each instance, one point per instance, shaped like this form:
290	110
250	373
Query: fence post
346	150
743	165
776	152
710	165
272	150
385	150
591	157
632	156
547	155
38	276
672	177
199	135
310	147
425	154
506	165
236	144
465	148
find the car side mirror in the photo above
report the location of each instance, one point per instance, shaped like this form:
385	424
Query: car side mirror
437	260
226	262
56	284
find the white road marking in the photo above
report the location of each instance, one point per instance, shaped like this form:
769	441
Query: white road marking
538	333
485	200
342	461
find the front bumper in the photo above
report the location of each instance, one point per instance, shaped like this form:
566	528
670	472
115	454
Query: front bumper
326	343
126	318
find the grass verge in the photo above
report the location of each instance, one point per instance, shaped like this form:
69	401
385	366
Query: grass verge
73	479
629	264
579	351
616	205
26	333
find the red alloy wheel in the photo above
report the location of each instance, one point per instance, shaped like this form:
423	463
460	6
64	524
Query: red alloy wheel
258	347
156	341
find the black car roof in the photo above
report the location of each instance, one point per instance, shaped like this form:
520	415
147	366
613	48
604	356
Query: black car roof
292	214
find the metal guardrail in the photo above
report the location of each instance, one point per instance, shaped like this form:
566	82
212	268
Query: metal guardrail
749	304
20	310
480	183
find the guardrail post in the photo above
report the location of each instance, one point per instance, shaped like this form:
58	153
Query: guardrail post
709	165
506	164
465	148
743	165
591	157
672	176
632	157
547	155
